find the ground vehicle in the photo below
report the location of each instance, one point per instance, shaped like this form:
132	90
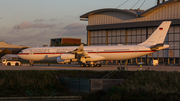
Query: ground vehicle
154	62
5	62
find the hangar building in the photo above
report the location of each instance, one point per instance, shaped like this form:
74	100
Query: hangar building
65	40
112	26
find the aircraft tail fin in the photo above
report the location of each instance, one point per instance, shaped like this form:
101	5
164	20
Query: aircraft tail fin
158	36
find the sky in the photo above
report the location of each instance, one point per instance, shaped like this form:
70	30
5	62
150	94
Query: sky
34	22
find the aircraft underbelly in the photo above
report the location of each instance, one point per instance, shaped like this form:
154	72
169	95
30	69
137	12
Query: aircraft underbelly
123	56
106	56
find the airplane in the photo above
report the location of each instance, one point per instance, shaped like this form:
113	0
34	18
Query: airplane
90	55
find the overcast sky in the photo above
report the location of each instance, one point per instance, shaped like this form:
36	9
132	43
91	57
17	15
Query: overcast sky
35	22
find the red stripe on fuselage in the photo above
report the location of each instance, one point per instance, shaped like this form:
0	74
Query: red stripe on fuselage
88	52
23	54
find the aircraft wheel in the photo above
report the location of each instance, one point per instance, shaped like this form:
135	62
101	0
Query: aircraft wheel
83	65
98	65
87	65
9	64
93	65
17	64
31	64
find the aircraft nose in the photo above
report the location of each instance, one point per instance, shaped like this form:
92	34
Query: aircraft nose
19	55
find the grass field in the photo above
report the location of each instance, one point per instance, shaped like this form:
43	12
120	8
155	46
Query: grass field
139	85
143	86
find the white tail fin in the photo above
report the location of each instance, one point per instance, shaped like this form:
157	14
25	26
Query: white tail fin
158	36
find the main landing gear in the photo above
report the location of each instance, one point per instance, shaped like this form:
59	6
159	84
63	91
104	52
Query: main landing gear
92	64
31	63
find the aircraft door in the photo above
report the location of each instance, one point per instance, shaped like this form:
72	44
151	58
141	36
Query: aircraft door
136	49
97	51
31	52
53	51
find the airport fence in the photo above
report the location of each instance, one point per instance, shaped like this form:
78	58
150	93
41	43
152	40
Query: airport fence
87	86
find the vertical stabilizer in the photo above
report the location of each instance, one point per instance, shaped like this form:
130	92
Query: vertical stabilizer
159	35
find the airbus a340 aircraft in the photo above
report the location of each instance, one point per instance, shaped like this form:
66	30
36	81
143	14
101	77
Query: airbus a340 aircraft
93	54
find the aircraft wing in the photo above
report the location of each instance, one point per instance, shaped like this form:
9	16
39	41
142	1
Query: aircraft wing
79	52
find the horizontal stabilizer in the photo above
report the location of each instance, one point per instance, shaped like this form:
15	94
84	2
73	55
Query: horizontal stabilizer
157	46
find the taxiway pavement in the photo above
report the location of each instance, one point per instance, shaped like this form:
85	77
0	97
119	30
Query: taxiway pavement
77	67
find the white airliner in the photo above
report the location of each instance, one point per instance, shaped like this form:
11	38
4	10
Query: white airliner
89	55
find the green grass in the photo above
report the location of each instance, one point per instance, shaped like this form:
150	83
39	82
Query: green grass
143	86
139	85
29	83
39	83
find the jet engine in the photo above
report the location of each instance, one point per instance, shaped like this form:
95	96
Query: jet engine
59	60
67	56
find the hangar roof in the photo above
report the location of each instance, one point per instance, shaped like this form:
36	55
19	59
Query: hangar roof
130	11
109	9
157	7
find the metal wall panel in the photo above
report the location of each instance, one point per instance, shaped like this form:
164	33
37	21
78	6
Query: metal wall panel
129	39
171	29
171	37
177	29
143	31
99	40
123	32
104	40
176	45
134	31
139	32
109	40
139	39
103	33
118	32
128	31
171	45
114	39
160	53
176	53
166	53
143	38
134	38
118	39
92	41
95	40
155	54
114	33
123	39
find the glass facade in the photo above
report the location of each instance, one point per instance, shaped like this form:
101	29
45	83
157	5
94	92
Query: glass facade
137	35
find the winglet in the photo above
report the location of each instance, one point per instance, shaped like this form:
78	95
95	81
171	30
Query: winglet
79	49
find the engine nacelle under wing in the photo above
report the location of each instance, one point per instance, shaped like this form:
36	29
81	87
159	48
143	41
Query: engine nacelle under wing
59	60
67	56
